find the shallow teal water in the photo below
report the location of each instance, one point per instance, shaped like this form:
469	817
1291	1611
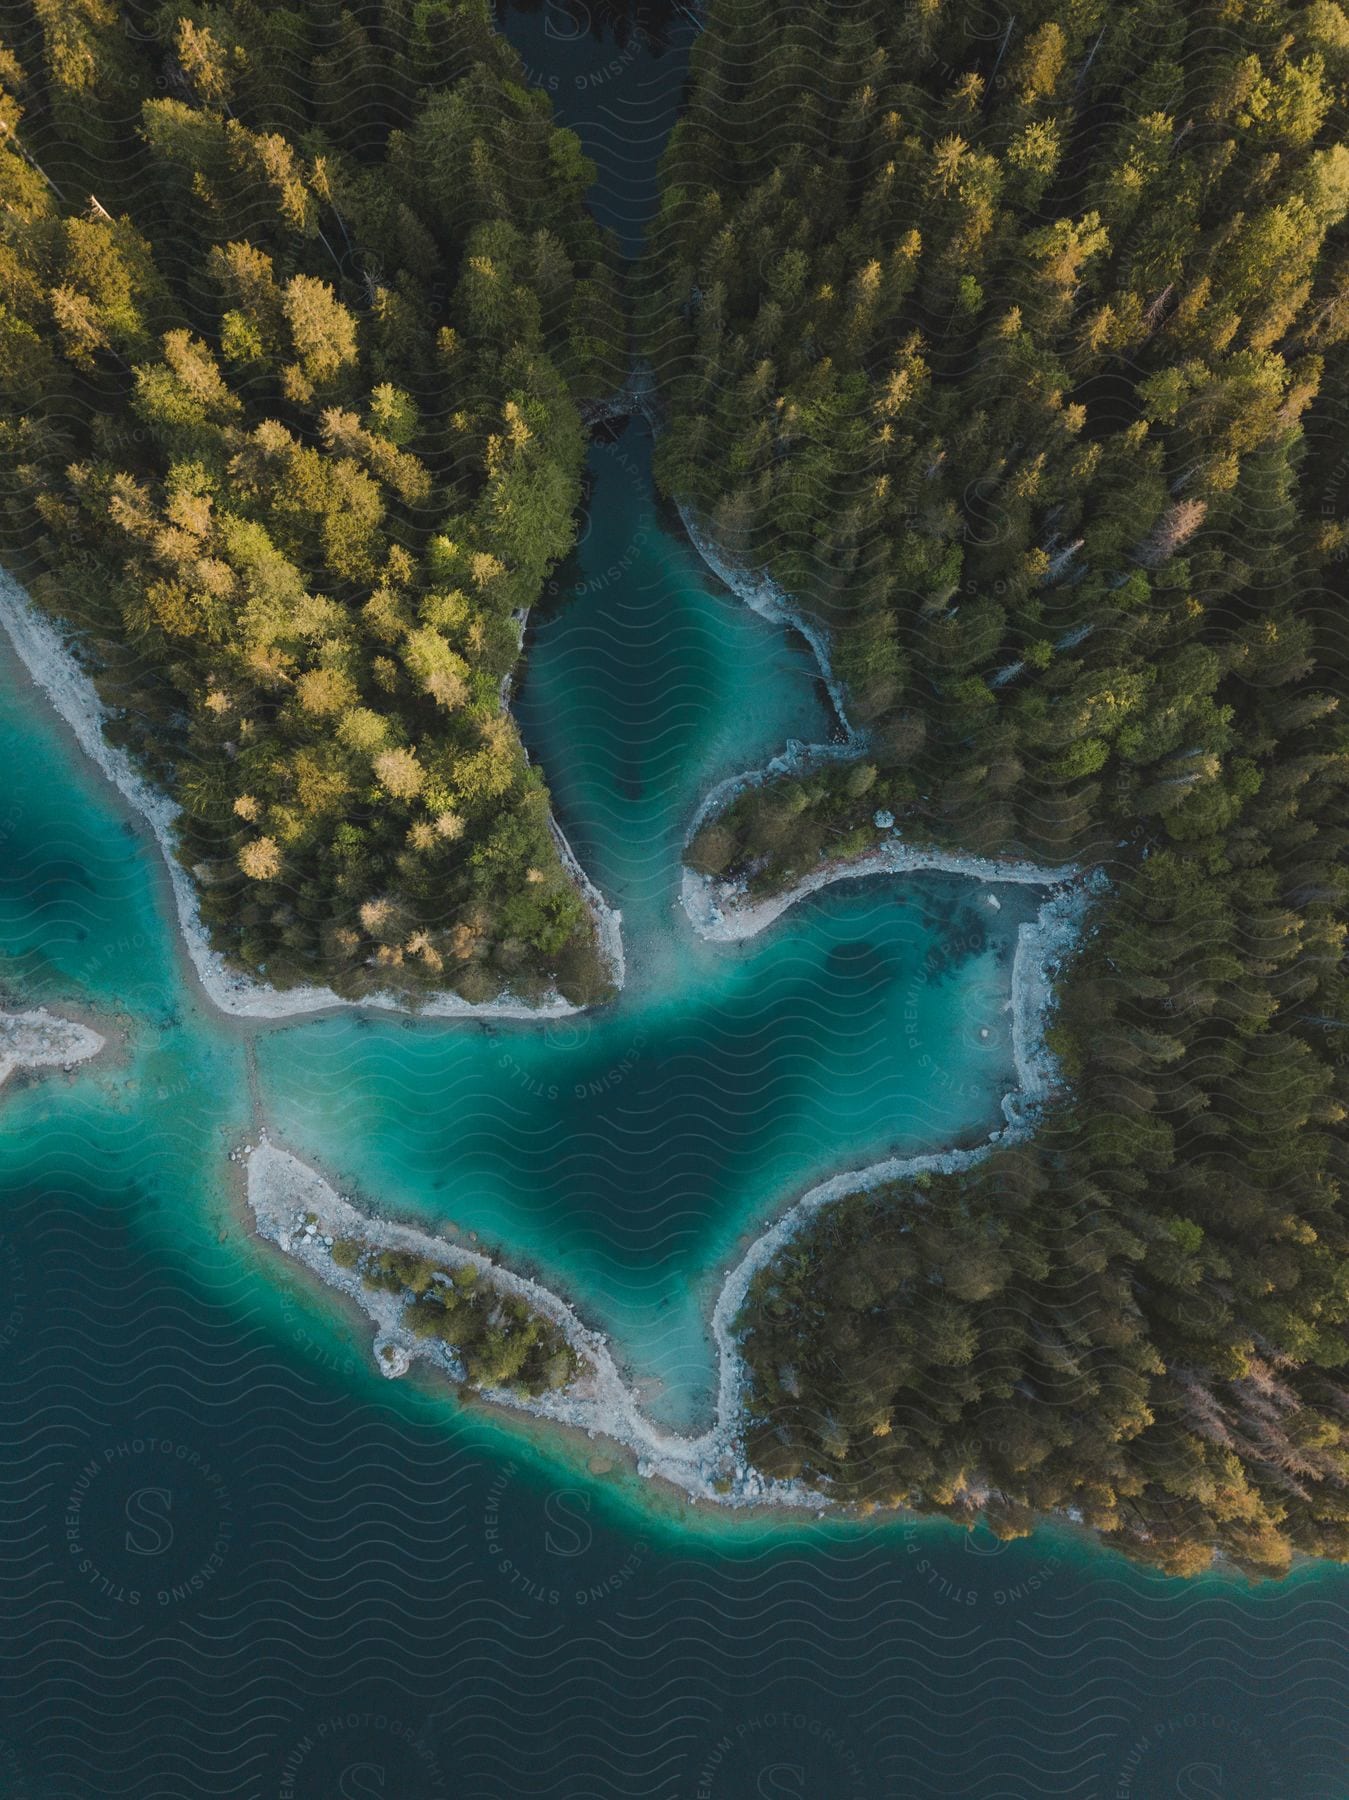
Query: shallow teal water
624	1154
239	1565
642	687
285	1572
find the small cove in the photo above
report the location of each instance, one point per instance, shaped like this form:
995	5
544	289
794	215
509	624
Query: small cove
624	1155
621	1155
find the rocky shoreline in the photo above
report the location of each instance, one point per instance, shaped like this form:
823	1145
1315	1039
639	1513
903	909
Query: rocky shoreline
299	1211
40	1040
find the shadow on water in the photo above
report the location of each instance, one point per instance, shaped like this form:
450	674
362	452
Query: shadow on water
651	24
614	74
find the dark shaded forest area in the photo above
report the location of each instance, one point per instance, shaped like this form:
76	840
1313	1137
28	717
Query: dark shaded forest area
1011	342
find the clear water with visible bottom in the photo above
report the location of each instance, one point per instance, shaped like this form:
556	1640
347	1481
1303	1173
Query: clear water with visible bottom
623	1154
239	1564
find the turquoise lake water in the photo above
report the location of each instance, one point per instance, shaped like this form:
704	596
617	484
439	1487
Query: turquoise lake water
623	1154
237	1563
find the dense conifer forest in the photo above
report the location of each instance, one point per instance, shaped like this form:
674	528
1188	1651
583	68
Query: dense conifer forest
499	1341
1011	340
298	307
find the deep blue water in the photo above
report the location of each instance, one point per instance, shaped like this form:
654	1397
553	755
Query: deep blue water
237	1563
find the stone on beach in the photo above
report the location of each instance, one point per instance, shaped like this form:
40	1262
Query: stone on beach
39	1040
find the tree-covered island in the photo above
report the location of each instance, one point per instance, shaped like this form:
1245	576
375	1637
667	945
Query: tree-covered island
1011	341
299	305
495	1337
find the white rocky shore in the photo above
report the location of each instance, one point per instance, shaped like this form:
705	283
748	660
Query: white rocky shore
298	1209
721	911
763	596
55	669
39	1040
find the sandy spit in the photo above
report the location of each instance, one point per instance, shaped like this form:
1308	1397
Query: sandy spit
297	1209
40	1040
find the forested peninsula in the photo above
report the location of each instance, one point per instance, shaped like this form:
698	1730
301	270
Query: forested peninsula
299	307
1010	340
